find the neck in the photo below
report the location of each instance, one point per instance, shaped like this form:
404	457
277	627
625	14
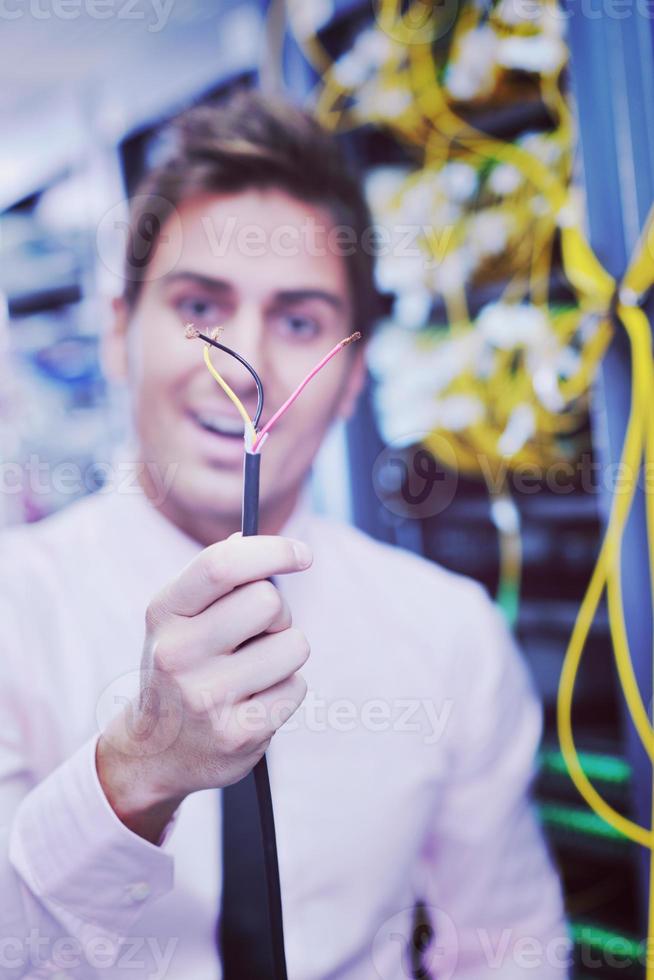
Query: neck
207	527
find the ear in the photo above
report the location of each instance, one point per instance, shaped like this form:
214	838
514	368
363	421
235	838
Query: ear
114	343
354	383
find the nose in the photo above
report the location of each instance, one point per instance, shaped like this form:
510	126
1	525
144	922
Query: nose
243	333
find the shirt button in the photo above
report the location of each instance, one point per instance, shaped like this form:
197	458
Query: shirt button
139	891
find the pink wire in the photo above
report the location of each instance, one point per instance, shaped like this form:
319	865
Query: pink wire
302	385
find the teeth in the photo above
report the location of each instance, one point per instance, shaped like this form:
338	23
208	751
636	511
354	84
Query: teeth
221	424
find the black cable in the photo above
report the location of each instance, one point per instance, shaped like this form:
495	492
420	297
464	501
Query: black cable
250	512
248	367
250	526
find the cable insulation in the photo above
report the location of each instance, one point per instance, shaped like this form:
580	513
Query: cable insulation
250	526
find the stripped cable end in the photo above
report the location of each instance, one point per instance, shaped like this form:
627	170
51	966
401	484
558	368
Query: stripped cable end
351	339
191	332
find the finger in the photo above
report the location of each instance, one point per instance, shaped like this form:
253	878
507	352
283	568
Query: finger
222	567
258	718
248	611
257	666
282	700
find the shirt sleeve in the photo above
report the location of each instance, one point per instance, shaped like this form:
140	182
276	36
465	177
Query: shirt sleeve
74	880
492	894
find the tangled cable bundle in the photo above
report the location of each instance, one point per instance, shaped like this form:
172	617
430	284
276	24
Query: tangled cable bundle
511	385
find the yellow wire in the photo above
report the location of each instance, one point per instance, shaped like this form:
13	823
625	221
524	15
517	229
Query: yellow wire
624	663
313	50
431	124
438	131
233	397
649	503
614	590
649	490
637	328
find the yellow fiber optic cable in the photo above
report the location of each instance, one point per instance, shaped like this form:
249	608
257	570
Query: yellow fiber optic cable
630	460
430	123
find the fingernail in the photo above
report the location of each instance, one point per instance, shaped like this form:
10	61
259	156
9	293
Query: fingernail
302	553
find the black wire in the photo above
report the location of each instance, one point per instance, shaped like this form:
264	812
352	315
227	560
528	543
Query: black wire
250	512
250	526
248	367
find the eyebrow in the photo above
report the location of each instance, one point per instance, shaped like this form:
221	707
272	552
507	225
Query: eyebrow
289	296
218	285
299	295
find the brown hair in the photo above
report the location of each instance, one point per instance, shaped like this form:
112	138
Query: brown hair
253	141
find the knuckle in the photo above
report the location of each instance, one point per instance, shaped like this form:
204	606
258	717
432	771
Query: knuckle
153	614
166	655
195	703
235	740
224	690
221	695
241	740
269	599
215	567
299	644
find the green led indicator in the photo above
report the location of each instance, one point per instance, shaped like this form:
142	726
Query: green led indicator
605	940
581	821
508	599
603	767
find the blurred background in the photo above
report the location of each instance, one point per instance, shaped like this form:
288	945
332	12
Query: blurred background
498	393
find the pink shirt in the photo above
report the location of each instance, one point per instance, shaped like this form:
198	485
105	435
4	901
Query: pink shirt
404	774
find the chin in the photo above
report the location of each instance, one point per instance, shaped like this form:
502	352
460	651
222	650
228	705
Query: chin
210	489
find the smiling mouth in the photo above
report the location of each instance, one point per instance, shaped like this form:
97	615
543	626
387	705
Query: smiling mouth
220	425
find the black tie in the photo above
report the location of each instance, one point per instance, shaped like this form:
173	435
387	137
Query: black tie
250	933
244	932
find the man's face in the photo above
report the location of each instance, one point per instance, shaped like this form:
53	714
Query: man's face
281	310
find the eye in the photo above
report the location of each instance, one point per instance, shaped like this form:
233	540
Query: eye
297	326
199	310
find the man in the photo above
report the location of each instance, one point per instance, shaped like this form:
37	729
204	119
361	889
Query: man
400	751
